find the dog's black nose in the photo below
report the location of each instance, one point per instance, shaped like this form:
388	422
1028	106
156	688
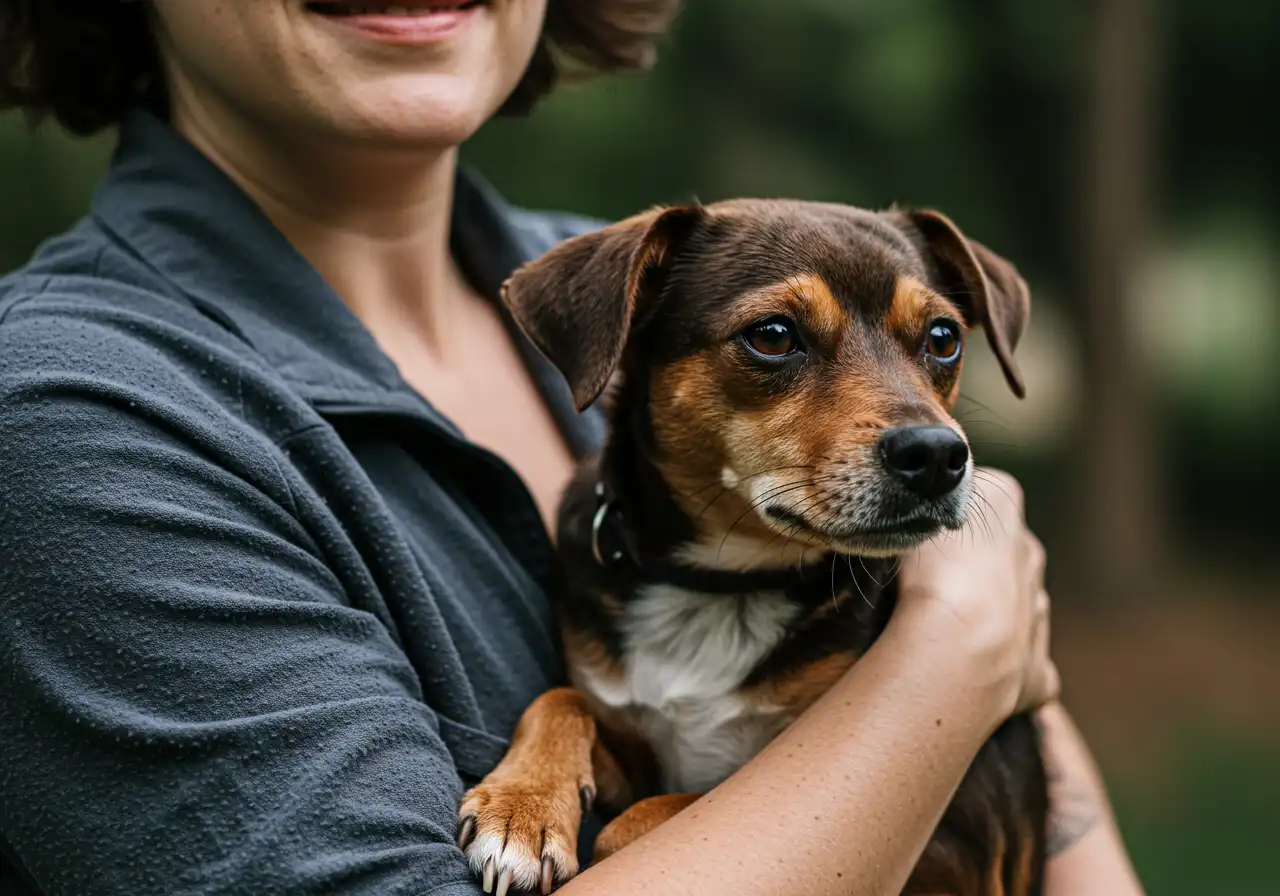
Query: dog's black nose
929	460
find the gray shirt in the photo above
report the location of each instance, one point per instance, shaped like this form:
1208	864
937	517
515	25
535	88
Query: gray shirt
264	613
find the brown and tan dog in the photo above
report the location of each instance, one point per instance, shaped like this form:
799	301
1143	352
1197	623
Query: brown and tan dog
783	376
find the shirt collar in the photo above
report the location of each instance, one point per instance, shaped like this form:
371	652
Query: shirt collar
184	218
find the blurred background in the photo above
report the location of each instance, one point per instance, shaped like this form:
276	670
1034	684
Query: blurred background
1117	151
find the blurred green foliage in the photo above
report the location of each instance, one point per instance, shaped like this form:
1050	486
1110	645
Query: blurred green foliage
1208	823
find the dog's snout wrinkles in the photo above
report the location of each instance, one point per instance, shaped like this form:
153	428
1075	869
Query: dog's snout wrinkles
929	460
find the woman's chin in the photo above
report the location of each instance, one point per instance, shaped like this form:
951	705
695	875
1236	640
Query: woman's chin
426	112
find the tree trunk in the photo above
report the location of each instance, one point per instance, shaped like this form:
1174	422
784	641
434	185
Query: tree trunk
1121	523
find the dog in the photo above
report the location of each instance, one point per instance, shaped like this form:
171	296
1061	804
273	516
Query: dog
779	378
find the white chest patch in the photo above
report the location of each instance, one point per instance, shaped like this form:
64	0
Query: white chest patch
686	654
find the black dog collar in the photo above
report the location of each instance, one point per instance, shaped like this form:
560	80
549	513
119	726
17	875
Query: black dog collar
613	546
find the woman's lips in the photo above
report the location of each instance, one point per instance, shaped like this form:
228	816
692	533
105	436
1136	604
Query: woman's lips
401	23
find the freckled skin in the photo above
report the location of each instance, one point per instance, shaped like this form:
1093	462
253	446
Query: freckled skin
711	443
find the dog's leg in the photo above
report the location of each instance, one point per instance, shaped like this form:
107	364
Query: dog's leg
519	826
639	820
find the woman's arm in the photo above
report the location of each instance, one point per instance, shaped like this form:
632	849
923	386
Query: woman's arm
1086	854
845	800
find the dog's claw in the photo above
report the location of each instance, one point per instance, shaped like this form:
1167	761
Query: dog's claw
518	838
587	793
548	875
466	831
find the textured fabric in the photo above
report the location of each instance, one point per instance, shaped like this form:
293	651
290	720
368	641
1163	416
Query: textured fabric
264	613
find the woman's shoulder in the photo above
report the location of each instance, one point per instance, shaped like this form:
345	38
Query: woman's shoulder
81	277
86	321
86	267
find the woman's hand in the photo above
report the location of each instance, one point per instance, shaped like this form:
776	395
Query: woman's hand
980	591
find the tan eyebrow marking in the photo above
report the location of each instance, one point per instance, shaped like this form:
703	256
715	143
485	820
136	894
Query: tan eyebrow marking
914	304
807	296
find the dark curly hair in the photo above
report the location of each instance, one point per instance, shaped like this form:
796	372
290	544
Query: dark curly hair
87	62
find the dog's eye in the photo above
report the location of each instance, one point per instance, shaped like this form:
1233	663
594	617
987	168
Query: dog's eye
943	341
772	338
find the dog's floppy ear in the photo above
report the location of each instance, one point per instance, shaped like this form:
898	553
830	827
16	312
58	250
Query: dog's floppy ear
577	301
988	288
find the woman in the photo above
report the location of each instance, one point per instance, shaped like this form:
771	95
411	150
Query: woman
277	473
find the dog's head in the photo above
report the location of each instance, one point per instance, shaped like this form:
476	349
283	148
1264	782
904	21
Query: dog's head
799	362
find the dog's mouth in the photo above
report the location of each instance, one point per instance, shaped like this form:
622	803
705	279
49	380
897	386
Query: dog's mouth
891	535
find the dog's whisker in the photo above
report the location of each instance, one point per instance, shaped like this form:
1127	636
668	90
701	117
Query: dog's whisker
986	505
834	600
988	477
958	292
788	532
799	511
969	424
979	518
969	399
772	493
793	528
970	418
745	477
894	569
723	491
856	584
726	490
982	514
868	572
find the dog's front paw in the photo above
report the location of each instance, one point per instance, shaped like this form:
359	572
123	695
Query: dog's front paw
521	830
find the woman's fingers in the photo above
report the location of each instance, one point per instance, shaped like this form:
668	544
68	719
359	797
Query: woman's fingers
1042	684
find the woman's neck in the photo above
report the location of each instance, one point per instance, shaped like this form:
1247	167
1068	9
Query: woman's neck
374	223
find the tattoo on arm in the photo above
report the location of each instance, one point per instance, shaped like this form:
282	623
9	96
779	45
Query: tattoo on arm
1073	812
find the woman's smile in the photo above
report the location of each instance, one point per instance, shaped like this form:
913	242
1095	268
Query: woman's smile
406	23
